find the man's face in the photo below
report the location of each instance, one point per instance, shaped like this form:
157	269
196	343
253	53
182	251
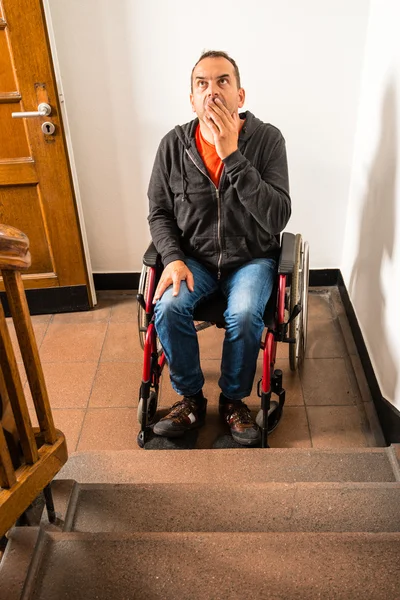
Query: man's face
212	78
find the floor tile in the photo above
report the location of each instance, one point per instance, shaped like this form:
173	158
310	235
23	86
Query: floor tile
39	329
68	384
282	350
211	390
167	396
324	340
212	429
69	342
319	306
109	429
35	319
211	372
292	431
361	379
122	343
210	342
42	318
101	312
116	384
325	381
347	335
291	383
374	435
337	303
124	309
336	426
69	421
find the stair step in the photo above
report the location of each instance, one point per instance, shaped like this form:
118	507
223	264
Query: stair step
247	465
204	566
248	507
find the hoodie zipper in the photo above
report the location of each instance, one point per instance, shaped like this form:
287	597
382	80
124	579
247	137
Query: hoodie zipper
217	192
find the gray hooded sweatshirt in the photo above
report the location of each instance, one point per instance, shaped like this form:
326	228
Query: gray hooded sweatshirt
223	227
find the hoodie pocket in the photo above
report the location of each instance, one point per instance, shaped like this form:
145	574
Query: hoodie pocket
204	246
236	247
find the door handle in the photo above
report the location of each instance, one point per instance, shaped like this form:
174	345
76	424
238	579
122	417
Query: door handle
44	110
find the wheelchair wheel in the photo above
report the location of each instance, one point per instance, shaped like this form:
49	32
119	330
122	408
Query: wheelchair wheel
141	313
151	408
299	295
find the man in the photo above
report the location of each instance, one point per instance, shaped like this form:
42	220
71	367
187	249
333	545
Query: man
219	193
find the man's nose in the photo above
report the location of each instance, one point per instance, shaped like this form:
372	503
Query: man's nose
212	90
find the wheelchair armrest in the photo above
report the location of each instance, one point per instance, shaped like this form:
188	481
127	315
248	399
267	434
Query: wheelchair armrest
151	257
287	256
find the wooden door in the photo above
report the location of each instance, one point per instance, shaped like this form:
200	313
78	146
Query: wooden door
36	192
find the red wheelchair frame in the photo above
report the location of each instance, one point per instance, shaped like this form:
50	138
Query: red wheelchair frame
293	263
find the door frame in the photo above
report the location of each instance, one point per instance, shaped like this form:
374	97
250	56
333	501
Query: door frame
70	150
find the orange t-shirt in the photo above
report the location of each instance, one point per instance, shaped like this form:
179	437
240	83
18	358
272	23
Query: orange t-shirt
210	157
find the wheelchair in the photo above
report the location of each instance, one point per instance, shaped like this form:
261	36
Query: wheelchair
288	298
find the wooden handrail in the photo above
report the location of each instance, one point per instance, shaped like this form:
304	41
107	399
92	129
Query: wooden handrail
44	449
14	249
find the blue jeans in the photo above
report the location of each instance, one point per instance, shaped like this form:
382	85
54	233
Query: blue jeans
247	290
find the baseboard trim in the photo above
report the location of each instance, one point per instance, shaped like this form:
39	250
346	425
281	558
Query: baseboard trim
42	301
116	281
323	277
130	281
388	414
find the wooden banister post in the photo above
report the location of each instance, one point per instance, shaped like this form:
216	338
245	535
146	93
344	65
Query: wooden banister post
15	392
30	353
15	257
7	474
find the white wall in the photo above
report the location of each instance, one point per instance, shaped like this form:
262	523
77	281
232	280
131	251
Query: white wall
371	257
125	70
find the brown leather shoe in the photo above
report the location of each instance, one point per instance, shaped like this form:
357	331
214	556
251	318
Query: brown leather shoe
184	415
238	416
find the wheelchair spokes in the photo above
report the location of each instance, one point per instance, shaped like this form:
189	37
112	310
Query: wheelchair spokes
147	286
299	298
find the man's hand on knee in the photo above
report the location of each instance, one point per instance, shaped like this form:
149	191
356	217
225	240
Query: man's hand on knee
173	274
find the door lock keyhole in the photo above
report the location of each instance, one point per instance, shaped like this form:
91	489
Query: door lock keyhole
48	128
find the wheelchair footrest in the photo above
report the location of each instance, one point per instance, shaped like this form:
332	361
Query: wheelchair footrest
227	441
157	442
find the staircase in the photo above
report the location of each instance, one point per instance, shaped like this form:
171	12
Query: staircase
215	524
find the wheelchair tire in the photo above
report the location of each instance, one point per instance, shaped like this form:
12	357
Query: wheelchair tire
299	295
141	313
151	408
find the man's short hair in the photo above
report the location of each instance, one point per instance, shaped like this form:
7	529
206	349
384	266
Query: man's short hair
217	54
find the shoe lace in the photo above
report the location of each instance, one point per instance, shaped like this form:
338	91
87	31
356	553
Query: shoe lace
240	414
182	408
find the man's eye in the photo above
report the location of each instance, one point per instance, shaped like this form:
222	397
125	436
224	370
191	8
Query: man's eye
223	80
201	83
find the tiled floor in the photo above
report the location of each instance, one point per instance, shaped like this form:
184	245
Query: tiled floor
92	364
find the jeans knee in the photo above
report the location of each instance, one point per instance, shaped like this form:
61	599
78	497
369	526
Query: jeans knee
244	318
170	306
